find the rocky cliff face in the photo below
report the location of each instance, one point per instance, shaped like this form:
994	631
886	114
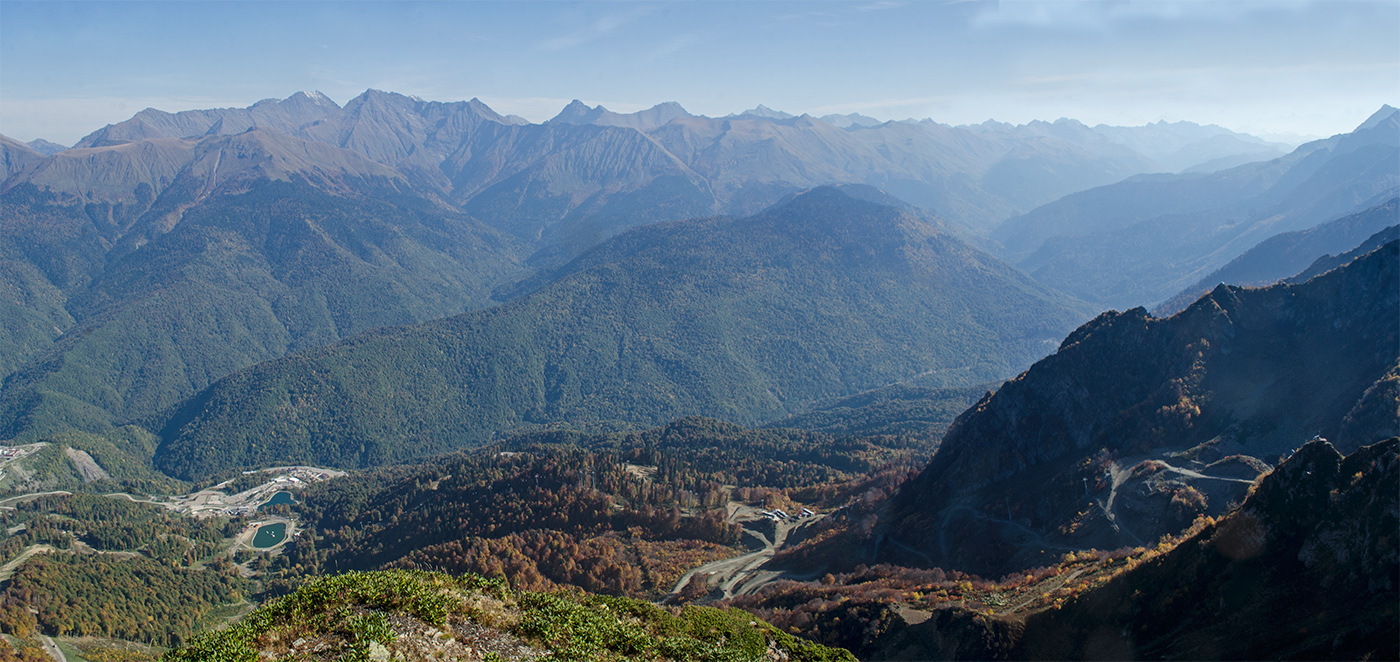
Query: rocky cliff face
1137	425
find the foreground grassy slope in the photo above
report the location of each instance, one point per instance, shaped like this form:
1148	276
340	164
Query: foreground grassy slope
418	615
743	319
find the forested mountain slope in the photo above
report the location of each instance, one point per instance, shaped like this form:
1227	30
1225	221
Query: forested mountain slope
133	287
1137	425
745	319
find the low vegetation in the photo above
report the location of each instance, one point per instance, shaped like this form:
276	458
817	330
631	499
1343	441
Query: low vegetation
353	615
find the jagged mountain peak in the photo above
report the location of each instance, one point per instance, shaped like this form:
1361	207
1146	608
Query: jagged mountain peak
764	111
45	147
15	144
851	120
314	98
15	157
285	115
578	112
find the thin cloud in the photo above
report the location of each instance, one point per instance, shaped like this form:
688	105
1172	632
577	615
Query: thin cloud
1105	14
677	43
593	31
882	5
803	15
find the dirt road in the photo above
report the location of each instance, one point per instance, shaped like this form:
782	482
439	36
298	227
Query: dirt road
53	650
8	570
743	574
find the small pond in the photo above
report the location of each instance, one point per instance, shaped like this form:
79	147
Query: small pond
269	535
280	497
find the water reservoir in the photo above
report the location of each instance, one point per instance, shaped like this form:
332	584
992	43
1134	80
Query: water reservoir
269	535
280	497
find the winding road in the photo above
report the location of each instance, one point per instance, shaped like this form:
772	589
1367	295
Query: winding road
741	575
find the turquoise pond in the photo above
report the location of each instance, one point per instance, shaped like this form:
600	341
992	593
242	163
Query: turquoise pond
270	535
280	497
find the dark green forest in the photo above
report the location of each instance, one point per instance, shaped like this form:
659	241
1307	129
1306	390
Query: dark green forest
150	315
744	320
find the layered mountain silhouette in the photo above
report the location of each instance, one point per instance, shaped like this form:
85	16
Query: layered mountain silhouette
744	319
15	156
1142	240
1286	255
1138	425
1187	146
969	175
162	253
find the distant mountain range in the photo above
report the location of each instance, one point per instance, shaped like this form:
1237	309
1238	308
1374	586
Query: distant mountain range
1142	240
1284	255
1137	425
1042	161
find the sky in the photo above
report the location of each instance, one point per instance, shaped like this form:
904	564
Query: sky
1277	68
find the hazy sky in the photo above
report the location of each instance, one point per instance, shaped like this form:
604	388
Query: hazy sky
1313	68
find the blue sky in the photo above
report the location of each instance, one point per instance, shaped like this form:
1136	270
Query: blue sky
1282	66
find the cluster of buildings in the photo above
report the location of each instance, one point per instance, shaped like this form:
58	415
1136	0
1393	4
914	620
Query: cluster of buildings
780	516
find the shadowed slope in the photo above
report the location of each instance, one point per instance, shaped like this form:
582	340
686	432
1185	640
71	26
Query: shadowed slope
1137	424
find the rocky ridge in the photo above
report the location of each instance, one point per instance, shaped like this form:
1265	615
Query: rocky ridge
1071	455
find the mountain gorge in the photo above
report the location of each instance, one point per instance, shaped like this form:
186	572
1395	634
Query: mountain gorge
1312	546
